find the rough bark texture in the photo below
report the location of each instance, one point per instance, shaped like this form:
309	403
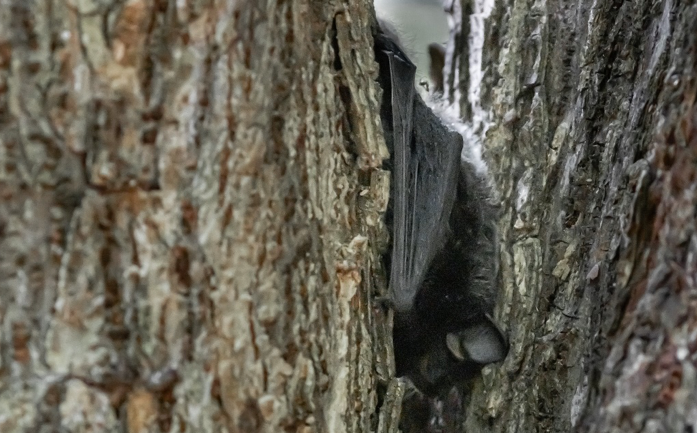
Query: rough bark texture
191	201
191	205
591	132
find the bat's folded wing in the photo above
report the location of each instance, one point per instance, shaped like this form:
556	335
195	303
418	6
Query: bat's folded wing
425	164
401	86
424	191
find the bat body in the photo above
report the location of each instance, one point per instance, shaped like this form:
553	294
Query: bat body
443	261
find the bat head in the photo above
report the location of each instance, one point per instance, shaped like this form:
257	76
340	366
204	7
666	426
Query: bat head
458	357
482	343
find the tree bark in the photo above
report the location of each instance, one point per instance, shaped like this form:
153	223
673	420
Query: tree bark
191	214
588	115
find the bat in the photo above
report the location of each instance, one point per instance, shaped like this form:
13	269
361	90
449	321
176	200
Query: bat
443	259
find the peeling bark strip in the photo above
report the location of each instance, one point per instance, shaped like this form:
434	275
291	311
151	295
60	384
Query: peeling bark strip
191	198
589	115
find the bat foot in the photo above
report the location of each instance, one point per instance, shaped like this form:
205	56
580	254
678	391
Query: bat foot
384	302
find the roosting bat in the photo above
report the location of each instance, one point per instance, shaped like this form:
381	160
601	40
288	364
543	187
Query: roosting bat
443	261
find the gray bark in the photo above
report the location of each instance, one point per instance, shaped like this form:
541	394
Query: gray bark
590	114
191	204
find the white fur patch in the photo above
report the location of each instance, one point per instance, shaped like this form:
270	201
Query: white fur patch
472	147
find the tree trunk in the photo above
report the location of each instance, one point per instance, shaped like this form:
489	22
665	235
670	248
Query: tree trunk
191	210
192	198
590	124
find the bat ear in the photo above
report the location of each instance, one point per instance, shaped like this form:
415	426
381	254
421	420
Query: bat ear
482	343
437	54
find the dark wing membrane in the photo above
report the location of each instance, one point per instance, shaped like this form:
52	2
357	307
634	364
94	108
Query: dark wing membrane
425	166
428	191
402	91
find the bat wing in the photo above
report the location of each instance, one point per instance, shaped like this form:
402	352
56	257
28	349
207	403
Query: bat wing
425	164
427	192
